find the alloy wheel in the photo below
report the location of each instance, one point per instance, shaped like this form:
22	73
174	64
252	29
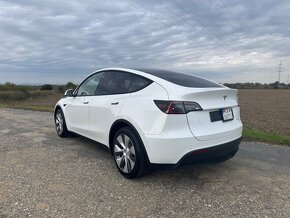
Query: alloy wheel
59	123
124	153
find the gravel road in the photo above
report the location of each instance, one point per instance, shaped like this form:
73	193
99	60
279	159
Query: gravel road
43	175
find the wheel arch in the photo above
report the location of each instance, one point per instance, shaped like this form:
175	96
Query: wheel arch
57	107
124	123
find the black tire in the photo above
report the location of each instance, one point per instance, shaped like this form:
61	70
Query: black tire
124	154
60	124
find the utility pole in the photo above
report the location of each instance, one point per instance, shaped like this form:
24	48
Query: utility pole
288	79
279	73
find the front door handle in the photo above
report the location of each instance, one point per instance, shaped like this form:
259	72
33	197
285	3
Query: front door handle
114	103
86	102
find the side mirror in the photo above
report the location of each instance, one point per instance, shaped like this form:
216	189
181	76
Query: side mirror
69	93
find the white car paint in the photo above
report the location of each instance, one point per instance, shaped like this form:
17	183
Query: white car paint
166	137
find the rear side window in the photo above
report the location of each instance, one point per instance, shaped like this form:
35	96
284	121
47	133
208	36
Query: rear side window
138	83
182	79
118	82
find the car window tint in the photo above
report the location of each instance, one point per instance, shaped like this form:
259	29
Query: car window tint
89	86
114	82
118	82
182	79
138	83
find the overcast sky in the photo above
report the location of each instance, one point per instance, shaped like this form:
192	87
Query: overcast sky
53	41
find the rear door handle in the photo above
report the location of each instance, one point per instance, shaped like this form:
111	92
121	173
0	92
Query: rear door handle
114	103
86	102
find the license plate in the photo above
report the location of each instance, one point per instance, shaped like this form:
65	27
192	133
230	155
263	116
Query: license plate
227	114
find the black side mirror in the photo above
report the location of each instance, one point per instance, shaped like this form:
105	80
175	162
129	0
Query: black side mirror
69	93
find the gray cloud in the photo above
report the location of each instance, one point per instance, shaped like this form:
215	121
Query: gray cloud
228	41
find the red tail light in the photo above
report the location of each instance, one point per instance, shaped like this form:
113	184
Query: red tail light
177	107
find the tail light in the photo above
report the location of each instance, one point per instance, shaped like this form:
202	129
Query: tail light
177	107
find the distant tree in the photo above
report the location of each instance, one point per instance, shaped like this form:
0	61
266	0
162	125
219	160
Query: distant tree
9	84
46	87
70	85
248	85
276	85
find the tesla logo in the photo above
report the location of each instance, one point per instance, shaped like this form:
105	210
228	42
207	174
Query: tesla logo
225	96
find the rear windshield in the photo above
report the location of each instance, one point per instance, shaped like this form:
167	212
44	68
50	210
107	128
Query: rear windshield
182	79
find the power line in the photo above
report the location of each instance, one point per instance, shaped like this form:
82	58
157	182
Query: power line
224	44
207	17
202	24
145	12
226	20
168	9
163	23
156	19
196	19
171	12
238	21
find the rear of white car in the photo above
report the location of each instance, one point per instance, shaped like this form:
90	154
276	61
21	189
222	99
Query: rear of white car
153	118
191	125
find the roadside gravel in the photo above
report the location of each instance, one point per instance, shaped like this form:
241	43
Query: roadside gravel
43	175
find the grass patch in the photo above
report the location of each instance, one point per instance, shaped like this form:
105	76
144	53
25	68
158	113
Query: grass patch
29	107
258	135
17	96
37	100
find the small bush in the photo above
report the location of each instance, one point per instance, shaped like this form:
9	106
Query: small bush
70	85
46	87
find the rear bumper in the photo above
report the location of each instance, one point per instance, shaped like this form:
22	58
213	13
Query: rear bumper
214	154
171	146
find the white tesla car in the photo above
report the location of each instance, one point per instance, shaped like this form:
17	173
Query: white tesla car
153	118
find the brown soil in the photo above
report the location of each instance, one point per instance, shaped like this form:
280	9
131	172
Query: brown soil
266	109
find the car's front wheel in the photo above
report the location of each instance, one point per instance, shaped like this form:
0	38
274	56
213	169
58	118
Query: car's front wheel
129	153
60	124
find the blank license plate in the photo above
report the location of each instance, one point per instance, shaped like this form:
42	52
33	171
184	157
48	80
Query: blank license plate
227	114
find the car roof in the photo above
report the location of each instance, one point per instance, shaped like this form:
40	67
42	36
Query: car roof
166	77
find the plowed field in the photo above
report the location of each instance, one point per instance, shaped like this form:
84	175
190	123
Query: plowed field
266	109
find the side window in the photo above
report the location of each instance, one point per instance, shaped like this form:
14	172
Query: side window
138	83
89	86
114	82
118	82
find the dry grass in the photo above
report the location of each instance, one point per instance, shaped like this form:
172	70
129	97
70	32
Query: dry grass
16	96
36	100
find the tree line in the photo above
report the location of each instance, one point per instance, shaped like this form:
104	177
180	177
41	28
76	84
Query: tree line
275	85
8	86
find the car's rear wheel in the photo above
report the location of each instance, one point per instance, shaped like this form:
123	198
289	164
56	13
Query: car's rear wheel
129	153
60	124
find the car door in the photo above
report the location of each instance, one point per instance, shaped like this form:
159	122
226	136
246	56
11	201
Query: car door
78	108
111	93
